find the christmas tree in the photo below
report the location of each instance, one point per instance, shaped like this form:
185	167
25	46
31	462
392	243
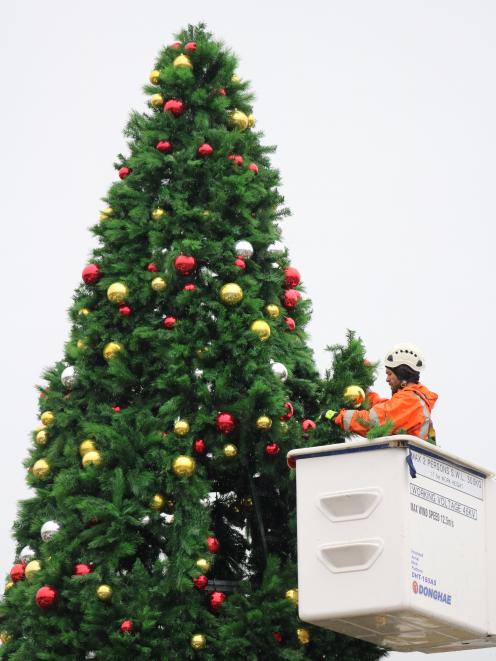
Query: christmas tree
162	525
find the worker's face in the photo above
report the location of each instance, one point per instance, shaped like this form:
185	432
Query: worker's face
392	380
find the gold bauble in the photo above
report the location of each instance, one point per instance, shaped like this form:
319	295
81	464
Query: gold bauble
80	345
158	284
181	427
264	422
354	395
203	565
41	437
84	312
198	641
154	77
41	468
117	292
206	213
184	466
47	417
32	568
251	121
182	62
284	427
88	445
106	213
104	592
157	213
157	502
92	458
261	328
292	595
5	637
230	450
9	585
238	119
111	350
156	100
303	636
235	79
272	311
231	293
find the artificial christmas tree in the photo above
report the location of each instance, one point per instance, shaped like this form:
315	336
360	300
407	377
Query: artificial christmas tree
163	518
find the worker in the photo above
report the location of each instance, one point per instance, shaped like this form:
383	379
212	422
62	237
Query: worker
411	403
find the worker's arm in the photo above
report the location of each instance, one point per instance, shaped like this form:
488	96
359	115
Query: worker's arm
398	409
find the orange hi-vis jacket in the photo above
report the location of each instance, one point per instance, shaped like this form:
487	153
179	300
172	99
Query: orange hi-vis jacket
409	409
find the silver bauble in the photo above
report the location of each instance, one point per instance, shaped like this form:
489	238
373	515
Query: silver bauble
276	248
145	520
48	530
69	377
27	554
244	249
90	655
198	373
280	371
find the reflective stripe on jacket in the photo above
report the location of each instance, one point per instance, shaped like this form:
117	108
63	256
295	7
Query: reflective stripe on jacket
409	409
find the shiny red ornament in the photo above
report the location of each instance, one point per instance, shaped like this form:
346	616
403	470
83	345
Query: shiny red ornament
169	322
292	277
199	446
253	167
222	91
46	596
125	310
240	263
82	569
308	425
200	582
237	159
17	572
116	409
124	172
185	264
290	323
91	274
216	599
213	544
289	412
190	46
152	268
205	150
174	106
277	636
291	462
272	449
164	146
127	626
225	422
291	298
175	44
189	287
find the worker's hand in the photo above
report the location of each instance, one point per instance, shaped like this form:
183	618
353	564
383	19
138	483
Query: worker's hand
330	414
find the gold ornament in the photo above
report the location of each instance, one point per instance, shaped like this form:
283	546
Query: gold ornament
284	427
104	592
235	79
230	450
92	458
88	445
32	568
198	641
231	293
264	422
157	502
246	502
111	350
206	213
5	637
41	437
303	636
117	292
80	345
158	284
84	312
9	585
272	311
354	395
184	466
203	565
156	100
157	213
292	595
181	427
106	213
251	120
47	417
41	468
154	77
261	328
238	119
182	62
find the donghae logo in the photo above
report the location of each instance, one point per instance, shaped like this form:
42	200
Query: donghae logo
426	591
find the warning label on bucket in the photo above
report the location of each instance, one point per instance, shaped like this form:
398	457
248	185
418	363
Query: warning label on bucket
448	474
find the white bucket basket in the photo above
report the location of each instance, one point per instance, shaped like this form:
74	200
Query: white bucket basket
397	544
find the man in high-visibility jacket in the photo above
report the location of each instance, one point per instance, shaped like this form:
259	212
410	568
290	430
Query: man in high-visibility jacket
410	406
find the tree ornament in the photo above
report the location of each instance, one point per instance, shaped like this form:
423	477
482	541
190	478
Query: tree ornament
41	469
277	636
32	568
157	213
237	119
292	595
200	582
91	274
276	249
213	544
354	395
158	284
81	569
303	636
41	437
156	100
185	264
205	150
284	427
117	292
279	370
5	637
174	106
68	377
127	626
175	44
237	159
225	422
203	565
230	450
290	298
92	458
182	62
292	277
152	268
190	46
9	585
48	530
184	466
235	79
243	249
47	418
104	592
261	328
124	172
272	311
199	446
198	641
290	323
189	287
111	350
222	91
264	422
181	427
240	263
272	449
106	213
88	445
216	599
125	310
80	345
251	121
231	293
169	322
308	426
90	655
164	146
46	596
157	502
289	412
253	167
116	409
83	312
154	77
17	572
27	554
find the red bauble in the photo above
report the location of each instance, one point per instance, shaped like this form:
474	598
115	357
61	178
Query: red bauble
205	150
237	159
190	46
175	44
164	146
116	409
240	262
291	462
127	626
291	277
291	298
189	287
290	323
200	582
277	636
308	425
17	572
125	310
289	412
222	91
185	264
91	274
152	268
45	597
216	599
253	167
199	446
124	172
225	422
272	449
81	570
175	106
213	544
169	322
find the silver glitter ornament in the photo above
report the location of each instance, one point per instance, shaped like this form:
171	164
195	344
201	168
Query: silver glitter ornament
69	377
27	554
48	530
244	249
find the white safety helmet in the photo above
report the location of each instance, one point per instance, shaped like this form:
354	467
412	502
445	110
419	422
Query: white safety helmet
405	354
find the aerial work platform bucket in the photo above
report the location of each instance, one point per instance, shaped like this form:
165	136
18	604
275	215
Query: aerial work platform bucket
397	544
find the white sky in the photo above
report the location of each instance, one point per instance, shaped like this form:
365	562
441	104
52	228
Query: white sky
384	116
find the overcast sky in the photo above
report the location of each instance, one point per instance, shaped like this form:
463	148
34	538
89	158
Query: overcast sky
384	114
